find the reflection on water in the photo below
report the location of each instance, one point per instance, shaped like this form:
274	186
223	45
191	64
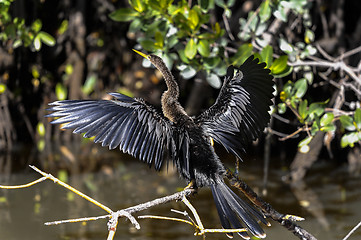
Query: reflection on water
329	200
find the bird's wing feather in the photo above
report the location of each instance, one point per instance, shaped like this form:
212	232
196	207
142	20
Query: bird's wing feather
240	112
136	127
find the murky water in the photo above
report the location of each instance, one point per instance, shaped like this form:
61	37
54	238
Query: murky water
330	200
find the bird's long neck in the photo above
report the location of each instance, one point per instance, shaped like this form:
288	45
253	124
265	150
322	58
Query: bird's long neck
173	89
170	106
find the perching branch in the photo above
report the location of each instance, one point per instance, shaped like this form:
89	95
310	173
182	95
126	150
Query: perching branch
284	219
288	221
114	216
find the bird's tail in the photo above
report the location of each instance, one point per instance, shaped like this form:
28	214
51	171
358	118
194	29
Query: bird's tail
234	212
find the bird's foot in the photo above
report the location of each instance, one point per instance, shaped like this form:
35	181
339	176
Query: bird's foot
191	185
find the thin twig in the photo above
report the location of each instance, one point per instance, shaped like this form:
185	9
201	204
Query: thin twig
351	52
228	29
174	197
67	186
334	65
85	219
194	211
352	231
291	135
24	185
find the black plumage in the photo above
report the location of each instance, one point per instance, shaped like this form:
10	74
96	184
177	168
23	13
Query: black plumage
238	116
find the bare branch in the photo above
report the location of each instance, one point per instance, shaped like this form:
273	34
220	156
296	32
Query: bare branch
352	231
51	177
284	219
24	185
340	65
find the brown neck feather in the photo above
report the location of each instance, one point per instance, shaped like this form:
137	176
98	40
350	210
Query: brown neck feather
170	105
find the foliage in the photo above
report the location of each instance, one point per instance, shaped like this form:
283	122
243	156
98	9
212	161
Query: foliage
188	36
353	125
185	35
14	30
199	39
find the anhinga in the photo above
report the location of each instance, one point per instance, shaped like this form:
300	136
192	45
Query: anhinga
238	116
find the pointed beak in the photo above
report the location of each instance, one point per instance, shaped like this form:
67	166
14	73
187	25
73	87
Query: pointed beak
142	54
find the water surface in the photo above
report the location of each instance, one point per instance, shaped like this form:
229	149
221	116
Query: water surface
329	199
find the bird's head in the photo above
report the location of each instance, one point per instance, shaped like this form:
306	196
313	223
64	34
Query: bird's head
154	59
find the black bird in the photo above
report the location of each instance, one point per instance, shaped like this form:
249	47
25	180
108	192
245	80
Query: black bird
238	116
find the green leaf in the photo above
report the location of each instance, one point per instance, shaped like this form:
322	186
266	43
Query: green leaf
89	84
123	15
357	118
10	31
265	11
191	49
172	41
205	5
281	108
279	66
2	88
220	69
326	119
252	20
214	80
41	144
349	139
347	122
328	128
305	141
155	5
300	87
148	44
17	43
302	109
63	175
3	199
40	128
37	43
315	109
159	40
309	36
61	92
63	27
285	46
210	63
182	56
138	5
36	26
47	38
203	48
193	19
280	13
187	72
266	55
35	72
315	126
344	141
217	29
69	69
243	52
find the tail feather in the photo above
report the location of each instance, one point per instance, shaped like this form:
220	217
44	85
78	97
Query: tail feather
221	211
226	215
258	215
232	211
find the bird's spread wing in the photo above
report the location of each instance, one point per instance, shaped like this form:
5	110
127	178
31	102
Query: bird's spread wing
240	112
136	127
